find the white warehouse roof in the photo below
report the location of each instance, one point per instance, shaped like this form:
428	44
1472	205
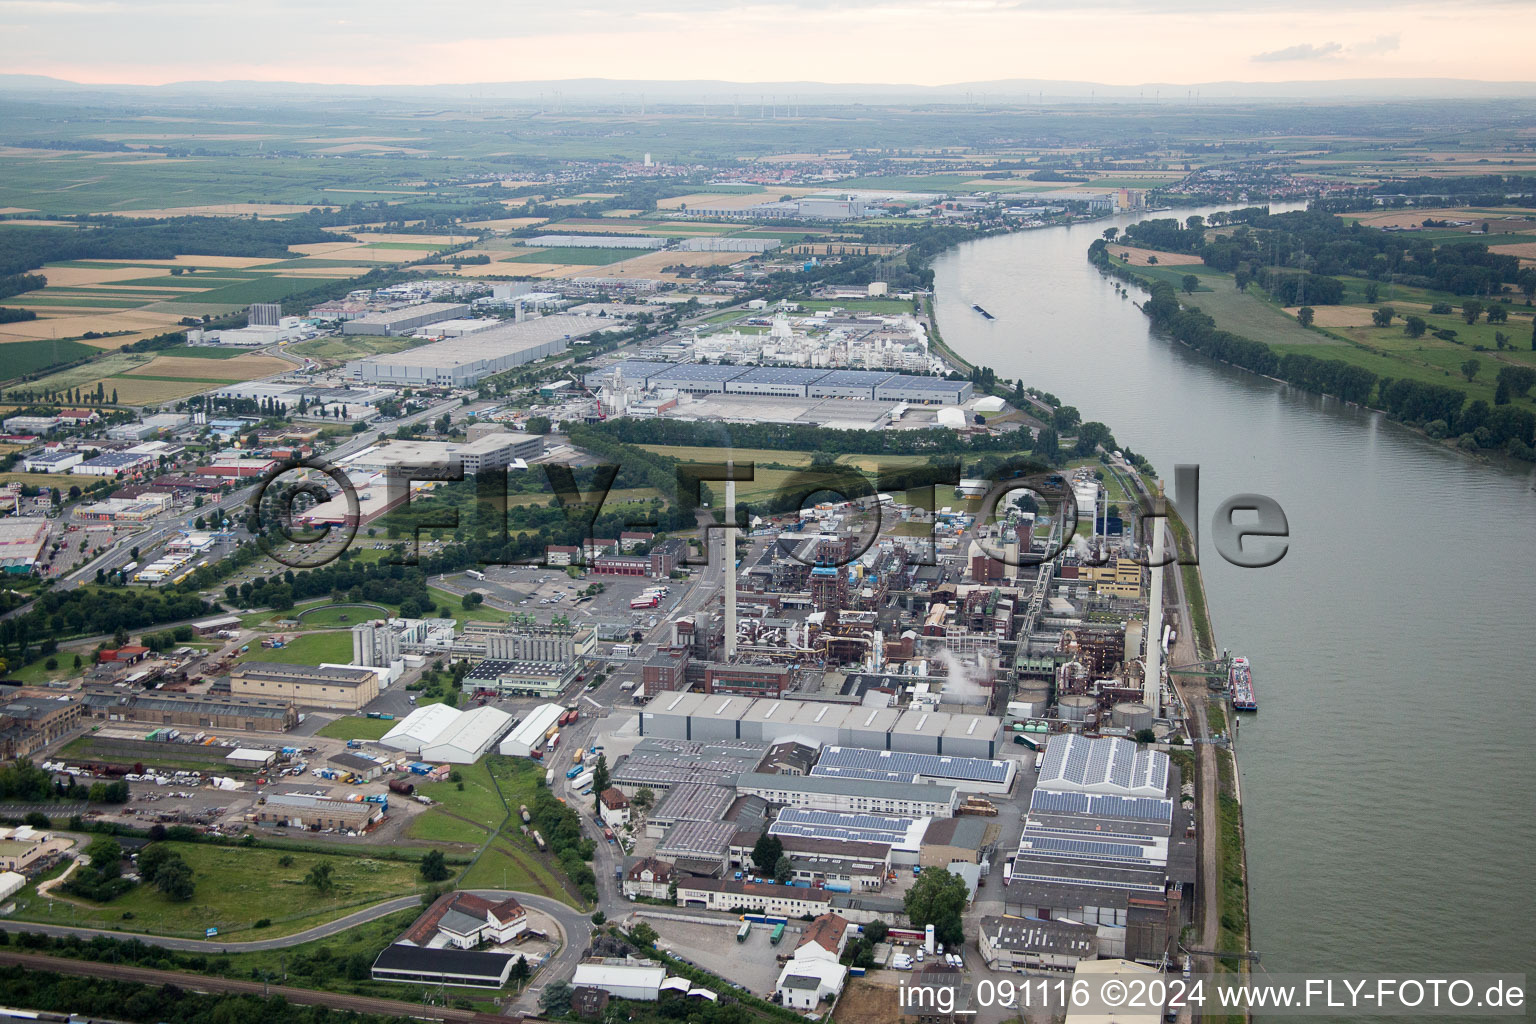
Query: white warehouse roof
530	732
420	727
467	737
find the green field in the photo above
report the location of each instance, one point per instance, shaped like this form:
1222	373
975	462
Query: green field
351	346
307	649
356	727
21	357
578	256
256	289
237	886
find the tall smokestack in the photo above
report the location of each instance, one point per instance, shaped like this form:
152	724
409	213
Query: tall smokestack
730	559
1152	684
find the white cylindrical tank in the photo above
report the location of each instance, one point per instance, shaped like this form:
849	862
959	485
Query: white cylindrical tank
928	942
1076	707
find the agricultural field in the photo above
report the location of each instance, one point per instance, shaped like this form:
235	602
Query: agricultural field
573	256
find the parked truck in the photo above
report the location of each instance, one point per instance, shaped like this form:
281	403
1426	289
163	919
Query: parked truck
582	781
523	811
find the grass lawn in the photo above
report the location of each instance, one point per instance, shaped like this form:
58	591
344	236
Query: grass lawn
37	672
338	616
236	886
513	863
357	727
307	649
477	801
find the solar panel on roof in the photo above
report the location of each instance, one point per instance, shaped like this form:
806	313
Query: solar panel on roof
1084	849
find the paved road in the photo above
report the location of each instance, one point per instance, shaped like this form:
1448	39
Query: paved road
573	922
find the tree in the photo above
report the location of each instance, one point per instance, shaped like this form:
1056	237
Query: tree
1304	316
1469	369
1190	283
319	878
600	776
783	869
1383	316
644	935
598	917
174	878
1471	310
555	1000
521	972
1498	314
644	797
1110	233
1414	326
106	856
938	898
434	867
767	851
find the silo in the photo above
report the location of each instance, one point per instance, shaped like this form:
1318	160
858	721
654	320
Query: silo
1031	699
1134	717
1076	707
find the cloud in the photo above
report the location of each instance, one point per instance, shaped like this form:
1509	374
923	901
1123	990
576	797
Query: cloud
1301	51
1381	44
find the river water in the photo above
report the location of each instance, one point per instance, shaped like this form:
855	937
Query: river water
1388	778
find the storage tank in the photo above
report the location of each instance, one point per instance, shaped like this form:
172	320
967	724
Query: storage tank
402	787
1076	707
1134	717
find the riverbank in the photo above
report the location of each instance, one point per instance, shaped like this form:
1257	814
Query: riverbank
1414	380
1222	919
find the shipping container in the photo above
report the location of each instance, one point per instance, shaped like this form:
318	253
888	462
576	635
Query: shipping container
744	931
778	934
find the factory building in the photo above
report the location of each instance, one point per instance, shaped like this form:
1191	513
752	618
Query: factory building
404	321
848	384
190	710
326	686
924	390
299	811
689	801
856	796
1030	944
697	716
1076	763
966	774
753	897
541	643
659	768
774	381
464	362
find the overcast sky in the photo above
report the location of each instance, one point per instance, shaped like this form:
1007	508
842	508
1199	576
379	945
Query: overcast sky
925	42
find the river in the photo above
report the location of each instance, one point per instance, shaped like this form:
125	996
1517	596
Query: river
1388	777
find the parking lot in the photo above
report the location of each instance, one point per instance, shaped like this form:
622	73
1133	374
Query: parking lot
751	964
545	592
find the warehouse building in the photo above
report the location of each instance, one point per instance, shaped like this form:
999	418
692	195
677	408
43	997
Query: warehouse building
325	686
628	978
924	390
848	384
697	716
831	862
630	371
967	774
531	731
464	362
1030	944
462	968
694	378
404	321
523	678
689	801
659	769
856	796
313	812
421	726
698	847
1108	764
190	710
904	836
22	540
469	737
51	460
774	381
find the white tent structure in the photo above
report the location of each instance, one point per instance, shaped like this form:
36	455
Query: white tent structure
468	737
420	727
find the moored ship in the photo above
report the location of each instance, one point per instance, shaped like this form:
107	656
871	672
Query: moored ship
1240	681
